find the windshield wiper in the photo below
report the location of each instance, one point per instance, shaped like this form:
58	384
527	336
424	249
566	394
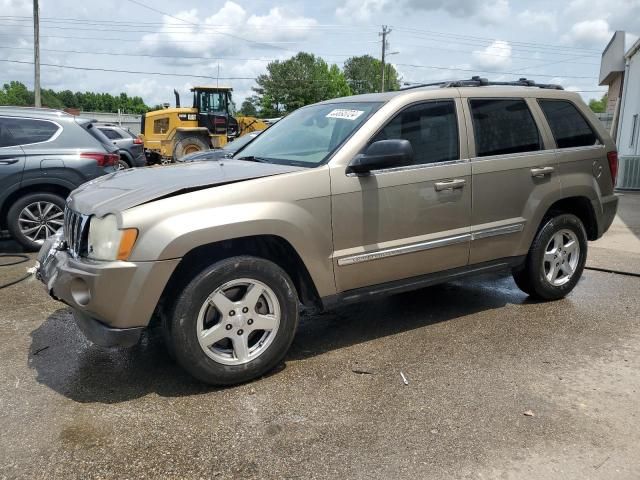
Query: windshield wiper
251	158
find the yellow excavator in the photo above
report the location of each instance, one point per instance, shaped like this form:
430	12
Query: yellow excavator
171	133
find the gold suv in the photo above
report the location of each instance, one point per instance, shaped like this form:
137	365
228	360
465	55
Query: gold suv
340	201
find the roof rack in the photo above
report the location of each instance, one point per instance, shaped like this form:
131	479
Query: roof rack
477	81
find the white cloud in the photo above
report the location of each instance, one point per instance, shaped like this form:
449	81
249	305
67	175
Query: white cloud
360	10
620	14
494	12
495	56
491	11
535	18
227	31
589	33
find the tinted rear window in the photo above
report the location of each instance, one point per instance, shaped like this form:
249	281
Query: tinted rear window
569	127
25	131
111	134
503	126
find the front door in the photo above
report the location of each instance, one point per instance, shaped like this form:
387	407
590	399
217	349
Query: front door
399	223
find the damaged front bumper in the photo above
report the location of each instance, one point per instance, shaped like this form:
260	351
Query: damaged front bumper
112	302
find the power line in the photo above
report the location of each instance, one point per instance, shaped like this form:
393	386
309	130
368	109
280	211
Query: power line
139	72
145	55
437	67
414	31
72	21
190	57
512	42
179	57
100	69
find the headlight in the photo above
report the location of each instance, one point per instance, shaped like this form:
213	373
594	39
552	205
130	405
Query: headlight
107	242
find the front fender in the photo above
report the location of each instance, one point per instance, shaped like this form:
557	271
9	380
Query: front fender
305	224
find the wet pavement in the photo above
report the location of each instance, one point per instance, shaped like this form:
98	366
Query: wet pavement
477	354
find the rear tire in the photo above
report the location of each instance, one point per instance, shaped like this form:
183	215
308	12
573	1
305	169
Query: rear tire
188	145
42	211
555	260
123	164
215	327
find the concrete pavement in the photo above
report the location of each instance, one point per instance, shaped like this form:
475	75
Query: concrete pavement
477	354
619	249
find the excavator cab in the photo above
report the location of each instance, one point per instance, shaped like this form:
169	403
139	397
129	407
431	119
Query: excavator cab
215	110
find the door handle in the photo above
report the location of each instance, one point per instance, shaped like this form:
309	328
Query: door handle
449	184
541	171
9	161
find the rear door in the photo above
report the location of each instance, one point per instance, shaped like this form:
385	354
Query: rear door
514	174
12	160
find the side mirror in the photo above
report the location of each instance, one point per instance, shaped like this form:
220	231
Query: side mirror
382	154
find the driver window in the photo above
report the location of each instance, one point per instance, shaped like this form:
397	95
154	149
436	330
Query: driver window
432	129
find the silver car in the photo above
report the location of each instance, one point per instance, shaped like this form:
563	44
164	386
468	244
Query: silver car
340	201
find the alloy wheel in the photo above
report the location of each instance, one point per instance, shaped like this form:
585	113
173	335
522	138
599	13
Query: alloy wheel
561	257
238	321
39	220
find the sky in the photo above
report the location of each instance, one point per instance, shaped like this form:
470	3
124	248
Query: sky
204	42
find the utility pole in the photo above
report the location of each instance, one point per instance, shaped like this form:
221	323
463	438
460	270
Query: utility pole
385	31
36	52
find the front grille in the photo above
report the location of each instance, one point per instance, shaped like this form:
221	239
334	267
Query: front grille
76	232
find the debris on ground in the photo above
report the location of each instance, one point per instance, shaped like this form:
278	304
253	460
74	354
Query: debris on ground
528	413
404	379
363	371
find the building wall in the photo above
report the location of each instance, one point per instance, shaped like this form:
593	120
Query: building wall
613	94
630	109
629	128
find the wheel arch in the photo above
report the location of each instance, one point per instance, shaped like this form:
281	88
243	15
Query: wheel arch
53	188
126	156
579	206
269	247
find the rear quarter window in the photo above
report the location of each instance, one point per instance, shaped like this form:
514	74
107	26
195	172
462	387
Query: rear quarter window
26	131
111	134
568	125
503	126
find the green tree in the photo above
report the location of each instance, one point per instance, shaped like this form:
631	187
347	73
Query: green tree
364	75
248	107
599	106
296	82
16	93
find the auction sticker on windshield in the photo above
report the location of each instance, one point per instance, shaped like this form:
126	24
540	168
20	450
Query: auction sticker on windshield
344	114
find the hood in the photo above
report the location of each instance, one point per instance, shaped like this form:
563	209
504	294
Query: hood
128	188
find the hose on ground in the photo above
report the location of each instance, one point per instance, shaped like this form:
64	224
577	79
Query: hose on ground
18	259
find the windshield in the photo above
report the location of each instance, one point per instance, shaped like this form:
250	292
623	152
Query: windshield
309	136
240	142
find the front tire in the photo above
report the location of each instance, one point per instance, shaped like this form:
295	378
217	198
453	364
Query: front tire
234	321
187	146
34	218
555	260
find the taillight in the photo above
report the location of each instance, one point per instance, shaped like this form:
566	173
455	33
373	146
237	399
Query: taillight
613	165
137	141
102	159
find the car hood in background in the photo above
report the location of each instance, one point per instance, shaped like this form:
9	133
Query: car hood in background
131	187
216	154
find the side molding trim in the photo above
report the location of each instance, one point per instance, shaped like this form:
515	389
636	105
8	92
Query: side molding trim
440	242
